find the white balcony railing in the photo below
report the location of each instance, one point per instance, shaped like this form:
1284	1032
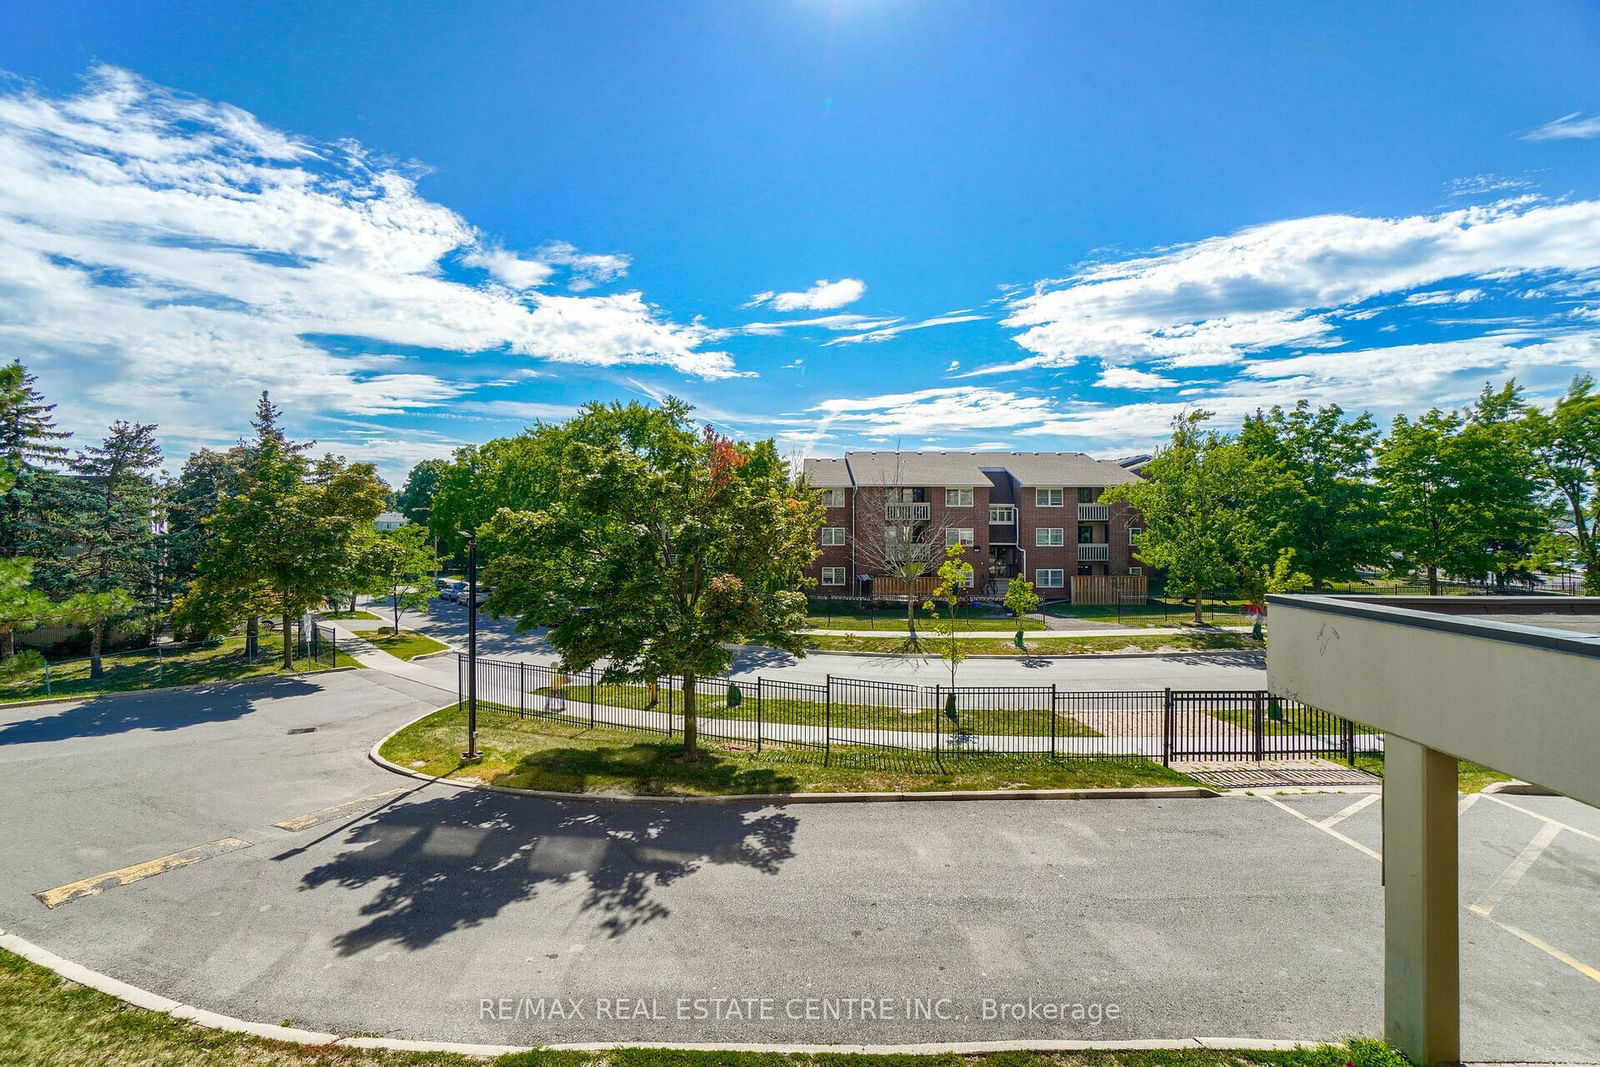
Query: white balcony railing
1093	513
907	512
1094	553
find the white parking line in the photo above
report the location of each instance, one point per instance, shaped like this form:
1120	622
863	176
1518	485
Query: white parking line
1357	845
1514	872
1344	813
1545	818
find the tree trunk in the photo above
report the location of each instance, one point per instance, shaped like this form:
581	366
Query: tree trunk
97	633
397	614
252	638
288	643
8	643
691	733
1433	581
1199	607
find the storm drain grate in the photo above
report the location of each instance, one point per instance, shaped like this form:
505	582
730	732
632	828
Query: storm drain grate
1283	778
304	730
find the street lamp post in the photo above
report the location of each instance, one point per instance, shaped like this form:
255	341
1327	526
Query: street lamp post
471	755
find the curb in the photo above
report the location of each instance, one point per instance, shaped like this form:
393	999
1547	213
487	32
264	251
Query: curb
171	688
141	998
1154	792
1518	788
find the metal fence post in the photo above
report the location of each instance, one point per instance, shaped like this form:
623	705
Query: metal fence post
460	659
591	696
522	689
1258	718
758	713
827	722
1052	720
1166	728
1350	742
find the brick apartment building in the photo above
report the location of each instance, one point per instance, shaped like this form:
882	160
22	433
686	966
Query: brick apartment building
1025	514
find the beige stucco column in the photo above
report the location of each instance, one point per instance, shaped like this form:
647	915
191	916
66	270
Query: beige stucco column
1421	917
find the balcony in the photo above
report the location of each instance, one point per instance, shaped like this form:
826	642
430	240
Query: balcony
1094	553
1094	513
907	512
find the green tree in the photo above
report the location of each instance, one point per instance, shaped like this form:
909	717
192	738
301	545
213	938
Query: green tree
30	447
1325	506
1021	600
415	500
1191	499
520	473
658	548
1565	445
954	578
1459	491
290	529
397	567
96	611
207	476
113	523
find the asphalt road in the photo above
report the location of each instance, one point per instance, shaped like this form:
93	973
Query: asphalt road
498	638
409	905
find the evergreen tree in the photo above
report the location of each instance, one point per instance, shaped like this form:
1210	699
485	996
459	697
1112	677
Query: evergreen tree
113	523
35	494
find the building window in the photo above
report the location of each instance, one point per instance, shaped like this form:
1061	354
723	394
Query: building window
1047	498
958	498
1086	534
1133	534
1049	578
1085	495
1135	571
958	536
833	535
833	498
1003	514
1046	536
833	576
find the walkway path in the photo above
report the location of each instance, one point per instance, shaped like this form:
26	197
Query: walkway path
1053	632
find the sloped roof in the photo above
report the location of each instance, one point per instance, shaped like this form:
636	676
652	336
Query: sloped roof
827	473
916	468
1057	468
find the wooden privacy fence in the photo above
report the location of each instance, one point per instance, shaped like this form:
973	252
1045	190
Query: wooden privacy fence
920	587
1109	589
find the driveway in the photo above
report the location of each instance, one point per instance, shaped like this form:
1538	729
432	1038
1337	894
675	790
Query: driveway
386	905
499	639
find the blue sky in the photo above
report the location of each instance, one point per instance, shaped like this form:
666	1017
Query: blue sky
845	223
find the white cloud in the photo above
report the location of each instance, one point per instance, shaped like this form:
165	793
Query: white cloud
1445	296
585	269
1128	378
823	296
1282	284
888	332
1486	184
171	256
1572	127
847	321
943	410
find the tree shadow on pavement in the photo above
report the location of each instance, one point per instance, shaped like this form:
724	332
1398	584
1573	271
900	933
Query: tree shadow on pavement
455	862
153	710
1254	658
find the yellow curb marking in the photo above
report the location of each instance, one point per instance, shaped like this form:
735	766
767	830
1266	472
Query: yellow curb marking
305	822
88	887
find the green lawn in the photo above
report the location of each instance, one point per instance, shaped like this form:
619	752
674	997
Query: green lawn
892	618
408	644
1152	613
1291	721
1470	777
344	615
1048	646
46	1020
146	669
571	757
1025	721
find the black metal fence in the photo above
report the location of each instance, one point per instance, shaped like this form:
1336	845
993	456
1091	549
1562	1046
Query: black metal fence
865	717
320	645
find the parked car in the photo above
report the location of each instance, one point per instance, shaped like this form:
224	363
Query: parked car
454	591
